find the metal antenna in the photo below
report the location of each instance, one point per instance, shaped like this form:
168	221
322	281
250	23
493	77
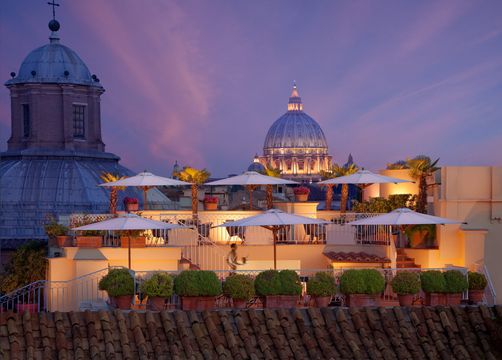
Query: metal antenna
53	4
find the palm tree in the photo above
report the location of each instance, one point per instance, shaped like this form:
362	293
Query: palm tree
196	177
421	167
274	172
336	171
107	178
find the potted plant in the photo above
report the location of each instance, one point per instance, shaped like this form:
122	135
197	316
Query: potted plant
362	287
210	202
134	237
58	234
158	288
240	288
198	289
279	289
119	284
322	287
456	284
477	285
131	204
421	236
434	286
406	284
301	193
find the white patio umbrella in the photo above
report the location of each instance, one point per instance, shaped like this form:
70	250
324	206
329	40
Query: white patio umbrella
274	220
145	180
403	217
251	180
128	223
364	178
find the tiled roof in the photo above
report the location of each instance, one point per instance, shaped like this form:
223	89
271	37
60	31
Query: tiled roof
355	257
310	333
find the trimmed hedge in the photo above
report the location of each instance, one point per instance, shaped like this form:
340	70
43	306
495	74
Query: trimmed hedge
273	282
406	282
364	281
239	287
197	283
158	285
477	281
321	284
455	282
117	282
433	281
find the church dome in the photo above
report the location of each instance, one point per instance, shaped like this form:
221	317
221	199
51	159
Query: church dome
54	63
295	129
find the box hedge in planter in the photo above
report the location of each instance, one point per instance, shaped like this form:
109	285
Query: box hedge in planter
280	289
322	287
119	284
198	289
406	284
158	288
240	288
434	286
477	285
456	284
362	287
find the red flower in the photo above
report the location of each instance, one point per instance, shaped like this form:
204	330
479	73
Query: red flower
130	200
301	190
211	199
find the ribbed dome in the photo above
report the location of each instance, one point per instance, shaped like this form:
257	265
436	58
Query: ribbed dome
295	129
54	63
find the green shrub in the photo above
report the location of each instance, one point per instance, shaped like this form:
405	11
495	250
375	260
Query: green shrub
239	287
321	284
53	229
455	282
406	282
273	282
117	282
159	284
365	281
197	283
477	281
433	281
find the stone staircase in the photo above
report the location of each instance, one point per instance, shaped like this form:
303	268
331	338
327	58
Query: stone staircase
403	261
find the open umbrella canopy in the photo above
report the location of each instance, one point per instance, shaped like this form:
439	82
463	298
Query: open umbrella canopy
404	216
364	177
146	179
129	222
251	178
273	217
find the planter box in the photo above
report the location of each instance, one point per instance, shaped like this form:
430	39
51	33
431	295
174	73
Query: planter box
122	302
322	301
476	296
64	241
210	206
136	241
239	303
156	303
362	300
301	197
131	207
199	303
89	241
453	299
434	299
280	301
405	300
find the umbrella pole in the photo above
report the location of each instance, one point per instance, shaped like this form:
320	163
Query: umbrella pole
274	232
129	248
145	206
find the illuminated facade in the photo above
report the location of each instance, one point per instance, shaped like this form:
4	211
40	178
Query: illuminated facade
296	144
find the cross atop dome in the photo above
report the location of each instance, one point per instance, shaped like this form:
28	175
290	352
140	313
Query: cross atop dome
295	101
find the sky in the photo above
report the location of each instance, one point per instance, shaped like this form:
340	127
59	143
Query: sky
201	82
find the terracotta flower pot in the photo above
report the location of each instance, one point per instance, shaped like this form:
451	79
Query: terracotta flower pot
362	300
301	197
64	241
89	241
131	207
136	241
453	299
210	206
239	303
156	303
122	302
199	303
322	301
405	299
280	301
476	296
434	299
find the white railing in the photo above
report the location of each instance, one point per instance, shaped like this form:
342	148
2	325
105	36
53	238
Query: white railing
490	295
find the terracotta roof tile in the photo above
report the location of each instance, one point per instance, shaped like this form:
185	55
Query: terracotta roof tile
330	333
355	257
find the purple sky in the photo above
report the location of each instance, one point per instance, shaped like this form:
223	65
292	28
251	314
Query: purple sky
202	81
